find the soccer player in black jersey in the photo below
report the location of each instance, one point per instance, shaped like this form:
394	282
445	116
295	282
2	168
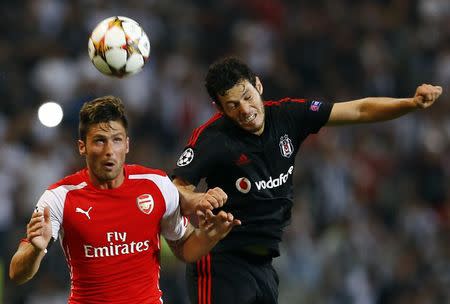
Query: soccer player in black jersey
246	153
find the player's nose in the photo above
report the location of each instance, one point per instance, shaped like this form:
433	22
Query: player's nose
108	148
245	107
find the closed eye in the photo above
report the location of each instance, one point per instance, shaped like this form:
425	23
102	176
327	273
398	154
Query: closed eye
232	105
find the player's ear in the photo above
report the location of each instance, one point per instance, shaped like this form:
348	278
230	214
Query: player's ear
218	106
128	144
81	147
258	85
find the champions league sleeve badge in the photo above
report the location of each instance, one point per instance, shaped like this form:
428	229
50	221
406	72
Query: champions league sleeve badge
286	147
186	157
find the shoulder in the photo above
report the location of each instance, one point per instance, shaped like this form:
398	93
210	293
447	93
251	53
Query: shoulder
286	110
295	106
139	170
158	178
285	103
77	179
212	128
141	173
55	195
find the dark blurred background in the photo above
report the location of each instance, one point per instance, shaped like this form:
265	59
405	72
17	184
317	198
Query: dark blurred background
371	222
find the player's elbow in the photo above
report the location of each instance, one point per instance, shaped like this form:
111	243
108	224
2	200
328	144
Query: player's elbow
186	256
192	259
16	278
364	112
193	255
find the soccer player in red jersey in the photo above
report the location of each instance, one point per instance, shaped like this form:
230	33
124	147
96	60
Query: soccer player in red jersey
248	150
109	217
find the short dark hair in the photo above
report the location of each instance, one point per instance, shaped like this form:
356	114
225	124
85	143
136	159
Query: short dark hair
224	73
101	110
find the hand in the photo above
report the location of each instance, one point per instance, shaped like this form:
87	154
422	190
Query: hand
211	199
39	229
426	95
216	227
191	201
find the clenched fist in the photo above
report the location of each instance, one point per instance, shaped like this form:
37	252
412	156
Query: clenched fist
426	95
192	201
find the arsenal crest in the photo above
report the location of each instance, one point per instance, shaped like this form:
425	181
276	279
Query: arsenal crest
286	146
145	203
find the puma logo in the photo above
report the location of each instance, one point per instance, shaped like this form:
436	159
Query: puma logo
79	210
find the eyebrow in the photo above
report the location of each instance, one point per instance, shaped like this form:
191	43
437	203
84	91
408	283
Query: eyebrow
112	135
242	95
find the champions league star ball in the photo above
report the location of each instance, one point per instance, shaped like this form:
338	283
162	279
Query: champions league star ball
118	46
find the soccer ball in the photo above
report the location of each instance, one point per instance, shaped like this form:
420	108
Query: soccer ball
118	46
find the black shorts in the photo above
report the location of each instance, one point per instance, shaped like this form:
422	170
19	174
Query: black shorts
232	278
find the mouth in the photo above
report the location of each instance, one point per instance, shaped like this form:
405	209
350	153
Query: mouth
109	165
249	118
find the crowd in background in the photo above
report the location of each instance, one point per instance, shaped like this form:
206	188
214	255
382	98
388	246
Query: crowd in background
371	218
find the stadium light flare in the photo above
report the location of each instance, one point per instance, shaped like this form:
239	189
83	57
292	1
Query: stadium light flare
50	114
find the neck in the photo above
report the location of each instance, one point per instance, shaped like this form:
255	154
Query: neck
106	184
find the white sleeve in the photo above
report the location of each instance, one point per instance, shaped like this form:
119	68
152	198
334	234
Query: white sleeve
56	210
173	224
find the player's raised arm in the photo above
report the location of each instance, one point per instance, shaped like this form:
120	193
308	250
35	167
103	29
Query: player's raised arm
191	201
373	109
198	242
27	259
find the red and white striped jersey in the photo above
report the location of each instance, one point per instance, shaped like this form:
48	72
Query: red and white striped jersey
111	237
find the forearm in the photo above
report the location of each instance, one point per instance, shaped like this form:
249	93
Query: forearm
197	245
192	246
374	109
198	242
371	109
188	196
25	263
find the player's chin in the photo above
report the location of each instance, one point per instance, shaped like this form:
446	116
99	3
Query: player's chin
109	175
253	128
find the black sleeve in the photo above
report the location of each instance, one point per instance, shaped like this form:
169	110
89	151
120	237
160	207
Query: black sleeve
196	161
309	116
317	114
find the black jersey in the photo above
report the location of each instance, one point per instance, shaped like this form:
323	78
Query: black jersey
255	171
